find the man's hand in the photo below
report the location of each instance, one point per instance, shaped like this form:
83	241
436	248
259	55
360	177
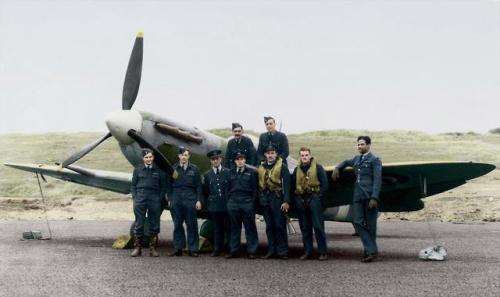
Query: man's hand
198	205
335	174
285	207
373	203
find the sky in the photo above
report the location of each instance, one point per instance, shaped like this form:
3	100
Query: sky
430	66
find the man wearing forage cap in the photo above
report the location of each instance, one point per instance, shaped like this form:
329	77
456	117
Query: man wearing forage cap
185	201
240	143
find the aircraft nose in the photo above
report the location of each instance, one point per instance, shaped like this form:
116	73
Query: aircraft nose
121	121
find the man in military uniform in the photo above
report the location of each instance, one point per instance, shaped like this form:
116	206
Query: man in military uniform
240	143
241	207
185	200
215	188
309	183
368	170
149	186
274	197
272	138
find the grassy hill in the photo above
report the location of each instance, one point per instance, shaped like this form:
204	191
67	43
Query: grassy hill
329	147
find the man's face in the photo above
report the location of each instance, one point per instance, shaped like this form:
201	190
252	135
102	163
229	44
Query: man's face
270	125
270	156
215	161
305	157
184	157
148	159
240	162
237	132
363	148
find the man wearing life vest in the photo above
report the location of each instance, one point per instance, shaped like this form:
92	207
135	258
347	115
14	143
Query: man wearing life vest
309	183
274	198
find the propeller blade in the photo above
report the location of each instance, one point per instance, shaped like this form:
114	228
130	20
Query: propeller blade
85	150
133	76
160	159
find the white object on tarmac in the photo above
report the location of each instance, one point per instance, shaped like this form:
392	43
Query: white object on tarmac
435	253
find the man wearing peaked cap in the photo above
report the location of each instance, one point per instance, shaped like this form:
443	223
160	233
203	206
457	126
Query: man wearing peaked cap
242	143
215	190
273	137
185	201
214	154
241	206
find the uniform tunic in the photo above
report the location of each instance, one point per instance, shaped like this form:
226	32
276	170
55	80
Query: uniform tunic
368	171
241	207
310	211
149	186
245	145
186	191
215	189
276	139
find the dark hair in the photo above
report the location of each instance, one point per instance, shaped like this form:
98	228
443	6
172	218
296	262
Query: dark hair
266	119
305	149
367	139
236	125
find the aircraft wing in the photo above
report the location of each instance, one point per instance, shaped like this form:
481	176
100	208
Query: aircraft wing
107	180
404	185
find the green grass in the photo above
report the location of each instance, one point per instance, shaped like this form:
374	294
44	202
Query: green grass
329	147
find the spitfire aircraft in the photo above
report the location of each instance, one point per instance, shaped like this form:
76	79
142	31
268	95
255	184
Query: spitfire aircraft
404	184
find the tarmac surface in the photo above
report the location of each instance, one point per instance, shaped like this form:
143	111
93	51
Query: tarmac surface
79	261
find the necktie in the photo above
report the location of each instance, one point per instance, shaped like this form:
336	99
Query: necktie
218	171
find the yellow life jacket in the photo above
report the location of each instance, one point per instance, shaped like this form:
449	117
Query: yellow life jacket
270	179
309	182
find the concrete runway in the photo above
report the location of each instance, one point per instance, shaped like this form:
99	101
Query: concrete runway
79	261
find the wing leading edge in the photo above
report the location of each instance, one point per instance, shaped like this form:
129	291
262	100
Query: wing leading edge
405	184
107	180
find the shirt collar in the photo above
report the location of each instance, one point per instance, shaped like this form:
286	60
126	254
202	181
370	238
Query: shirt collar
215	169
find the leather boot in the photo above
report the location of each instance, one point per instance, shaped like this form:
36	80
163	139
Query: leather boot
153	244
137	247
